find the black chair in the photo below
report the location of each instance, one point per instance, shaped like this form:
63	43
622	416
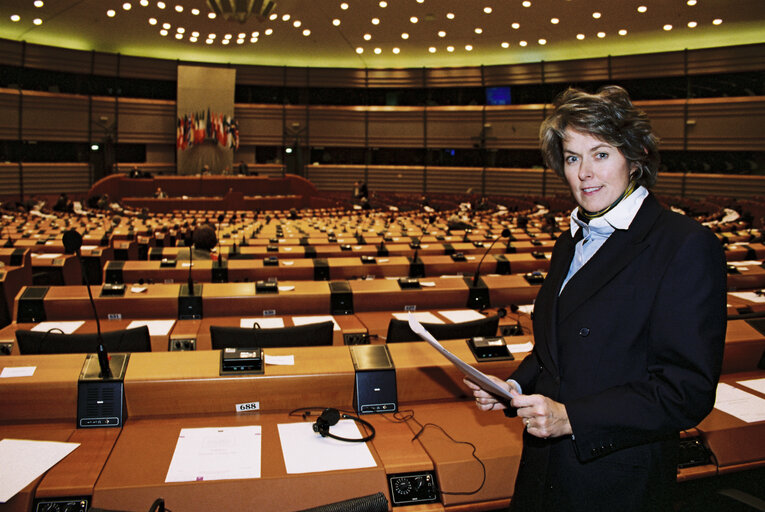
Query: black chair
398	330
298	336
49	342
372	503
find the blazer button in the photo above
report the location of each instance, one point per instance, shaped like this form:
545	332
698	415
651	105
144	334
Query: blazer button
584	331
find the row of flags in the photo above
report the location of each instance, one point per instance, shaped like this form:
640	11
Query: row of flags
198	127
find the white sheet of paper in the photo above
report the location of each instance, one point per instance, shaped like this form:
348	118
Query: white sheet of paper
517	348
526	308
66	327
264	323
477	376
750	296
46	256
755	384
280	360
305	451
216	453
462	315
22	461
747	263
305	320
740	404
17	371
424	317
156	327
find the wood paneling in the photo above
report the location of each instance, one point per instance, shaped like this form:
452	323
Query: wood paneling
48	178
10	183
146	120
260	124
338	126
727	124
9	113
54	117
397	127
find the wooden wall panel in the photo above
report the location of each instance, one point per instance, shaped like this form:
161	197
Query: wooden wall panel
146	121
272	76
338	77
670	184
576	70
726	124
409	78
11	53
10	184
57	59
725	60
54	117
397	127
515	127
515	74
260	124
736	186
514	182
448	77
395	179
57	178
667	119
454	127
335	177
455	180
627	67
152	69
9	114
337	126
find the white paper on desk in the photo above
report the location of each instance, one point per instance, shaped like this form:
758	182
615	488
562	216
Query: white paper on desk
747	263
156	327
755	384
66	327
280	360
517	348
264	323
305	320
305	451
750	296
526	308
17	371
740	404
46	256
425	316
22	461
477	376
462	315
187	264
216	454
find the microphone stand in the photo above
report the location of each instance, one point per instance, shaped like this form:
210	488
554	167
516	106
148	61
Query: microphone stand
479	294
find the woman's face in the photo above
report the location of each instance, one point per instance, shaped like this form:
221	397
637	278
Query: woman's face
595	170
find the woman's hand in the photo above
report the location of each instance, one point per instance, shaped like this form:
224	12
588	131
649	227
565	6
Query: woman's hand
484	400
542	416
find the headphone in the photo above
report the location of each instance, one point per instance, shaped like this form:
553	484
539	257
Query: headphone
331	416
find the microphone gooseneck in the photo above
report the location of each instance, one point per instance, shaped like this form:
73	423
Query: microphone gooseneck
476	277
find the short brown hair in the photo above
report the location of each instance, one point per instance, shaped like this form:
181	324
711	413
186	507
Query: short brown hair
610	116
204	237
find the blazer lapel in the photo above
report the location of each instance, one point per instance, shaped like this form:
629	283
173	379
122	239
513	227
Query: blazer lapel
618	251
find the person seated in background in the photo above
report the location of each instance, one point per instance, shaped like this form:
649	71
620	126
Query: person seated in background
204	240
62	204
242	168
159	193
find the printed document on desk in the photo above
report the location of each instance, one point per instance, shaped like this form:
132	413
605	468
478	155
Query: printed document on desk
305	451
216	454
477	376
21	461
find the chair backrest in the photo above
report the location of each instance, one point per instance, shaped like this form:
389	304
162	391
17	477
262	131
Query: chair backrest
297	336
136	339
398	330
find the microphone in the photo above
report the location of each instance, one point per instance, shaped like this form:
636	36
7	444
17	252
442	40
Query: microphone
191	265
9	242
476	277
72	242
221	217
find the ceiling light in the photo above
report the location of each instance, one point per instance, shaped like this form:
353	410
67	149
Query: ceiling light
210	41
623	32
469	47
306	32
375	21
39	3
601	35
522	43
193	39
336	22
420	1
378	51
542	42
667	27
127	6
181	30
195	12
144	3
450	48
344	7
161	5
212	36
718	21
450	15
396	50
195	34
516	26
240	41
404	36
478	30
152	21
227	36
432	49
269	31
178	8
580	36
642	9
111	13
296	23
359	50
691	2
487	10
383	4
413	19
15	17
367	37
166	26
241	11
596	15
241	35
286	17
441	33
225	41
255	34
211	15
554	21
179	36
163	32
505	44
526	3
253	39
273	16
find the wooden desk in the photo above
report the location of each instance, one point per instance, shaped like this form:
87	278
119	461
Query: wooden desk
748	277
56	269
240	299
387	295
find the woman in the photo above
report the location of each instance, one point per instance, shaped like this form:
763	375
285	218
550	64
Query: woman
629	325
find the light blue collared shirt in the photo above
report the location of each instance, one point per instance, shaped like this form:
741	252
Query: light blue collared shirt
596	232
